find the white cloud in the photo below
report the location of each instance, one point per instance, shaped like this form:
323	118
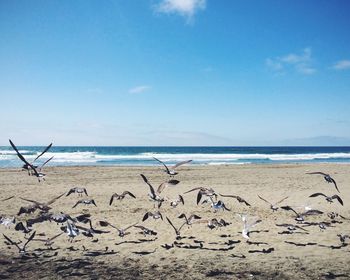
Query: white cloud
301	63
342	65
139	89
186	8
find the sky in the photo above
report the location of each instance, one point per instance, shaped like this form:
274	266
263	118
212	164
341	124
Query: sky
175	72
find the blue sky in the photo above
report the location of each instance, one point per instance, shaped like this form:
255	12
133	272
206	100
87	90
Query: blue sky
175	72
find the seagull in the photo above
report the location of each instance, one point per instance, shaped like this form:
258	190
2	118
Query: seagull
218	205
177	201
146	231
247	226
300	216
89	232
239	199
343	237
7	222
43	206
26	165
155	215
77	190
171	171
213	223
329	198
327	177
86	202
23	249
39	174
48	242
120	196
155	195
209	192
273	206
190	220
121	232
61	218
71	231
177	231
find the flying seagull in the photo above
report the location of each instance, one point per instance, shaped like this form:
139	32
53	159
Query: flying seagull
300	216
77	190
327	177
155	215
120	196
23	249
208	192
155	195
121	231
238	198
273	205
26	165
329	198
171	171
43	206
86	202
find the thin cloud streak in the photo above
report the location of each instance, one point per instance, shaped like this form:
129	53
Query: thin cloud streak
185	8
139	89
342	65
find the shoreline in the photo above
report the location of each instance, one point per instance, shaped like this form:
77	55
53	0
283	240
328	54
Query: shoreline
224	252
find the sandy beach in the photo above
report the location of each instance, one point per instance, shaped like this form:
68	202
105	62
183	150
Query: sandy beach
200	252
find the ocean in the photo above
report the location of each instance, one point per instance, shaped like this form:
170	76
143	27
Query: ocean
70	156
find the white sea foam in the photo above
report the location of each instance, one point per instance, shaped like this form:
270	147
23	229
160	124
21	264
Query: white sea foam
202	158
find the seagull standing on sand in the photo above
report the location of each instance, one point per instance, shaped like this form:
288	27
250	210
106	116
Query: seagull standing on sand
171	171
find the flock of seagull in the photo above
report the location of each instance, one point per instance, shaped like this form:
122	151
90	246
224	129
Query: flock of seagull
82	223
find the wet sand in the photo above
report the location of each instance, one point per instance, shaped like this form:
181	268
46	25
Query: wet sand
200	252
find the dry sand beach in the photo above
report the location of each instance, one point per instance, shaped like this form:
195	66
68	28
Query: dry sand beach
224	253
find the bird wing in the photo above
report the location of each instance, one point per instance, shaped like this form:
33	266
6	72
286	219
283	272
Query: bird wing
54	237
145	217
5	199
79	201
181	199
112	197
150	186
288	208
199	197
130	226
29	239
54	199
338	198
85	191
181	163
176	231
317	194
129	193
239	199
166	167
32	201
22	158
198	188
283	199
335	184
41	167
70	191
319	173
43	152
11	242
263	199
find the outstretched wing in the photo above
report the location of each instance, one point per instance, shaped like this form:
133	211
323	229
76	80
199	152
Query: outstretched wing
167	169
29	239
338	198
317	194
288	208
283	199
263	199
150	186
43	152
335	184
181	163
176	231
129	193
239	199
111	200
41	167
198	188
54	199
319	173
